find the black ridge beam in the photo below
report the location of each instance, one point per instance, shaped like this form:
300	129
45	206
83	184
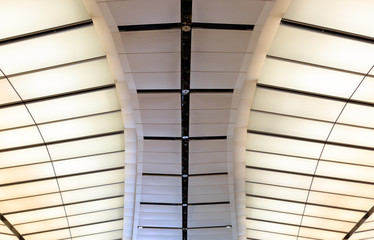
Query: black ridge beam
11	227
186	39
224	26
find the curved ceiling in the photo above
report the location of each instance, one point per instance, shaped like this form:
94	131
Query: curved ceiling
182	78
309	171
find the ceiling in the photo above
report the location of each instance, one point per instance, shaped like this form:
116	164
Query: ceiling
191	119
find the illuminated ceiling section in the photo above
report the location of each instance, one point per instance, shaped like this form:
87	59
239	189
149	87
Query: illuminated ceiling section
310	133
61	130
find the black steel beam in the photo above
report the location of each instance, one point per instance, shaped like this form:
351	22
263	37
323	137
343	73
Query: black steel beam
181	138
148	27
224	26
186	38
193	90
166	26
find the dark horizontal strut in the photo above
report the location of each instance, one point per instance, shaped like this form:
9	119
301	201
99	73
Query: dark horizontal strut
180	138
193	90
166	26
330	31
46	31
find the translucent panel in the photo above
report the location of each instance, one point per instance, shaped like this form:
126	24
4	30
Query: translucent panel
276	227
308	78
63	79
78	105
282	179
348	155
276	191
28	189
7	92
14	117
334	213
343	187
345	171
94	206
322	49
91	163
87	180
19	137
270	204
81	127
36	215
42	225
35	13
327	224
369	234
320	234
23	156
30	203
359	115
333	14
280	162
296	105
352	135
283	146
99	216
273	216
87	147
254	234
57	234
291	126
97	228
54	49
8	237
338	200
30	172
102	236
91	193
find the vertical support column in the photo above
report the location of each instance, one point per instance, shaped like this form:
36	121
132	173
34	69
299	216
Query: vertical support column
186	22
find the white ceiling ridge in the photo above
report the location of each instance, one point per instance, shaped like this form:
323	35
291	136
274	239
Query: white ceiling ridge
105	28
264	32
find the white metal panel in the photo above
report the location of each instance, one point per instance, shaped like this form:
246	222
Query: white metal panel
225	11
145	11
